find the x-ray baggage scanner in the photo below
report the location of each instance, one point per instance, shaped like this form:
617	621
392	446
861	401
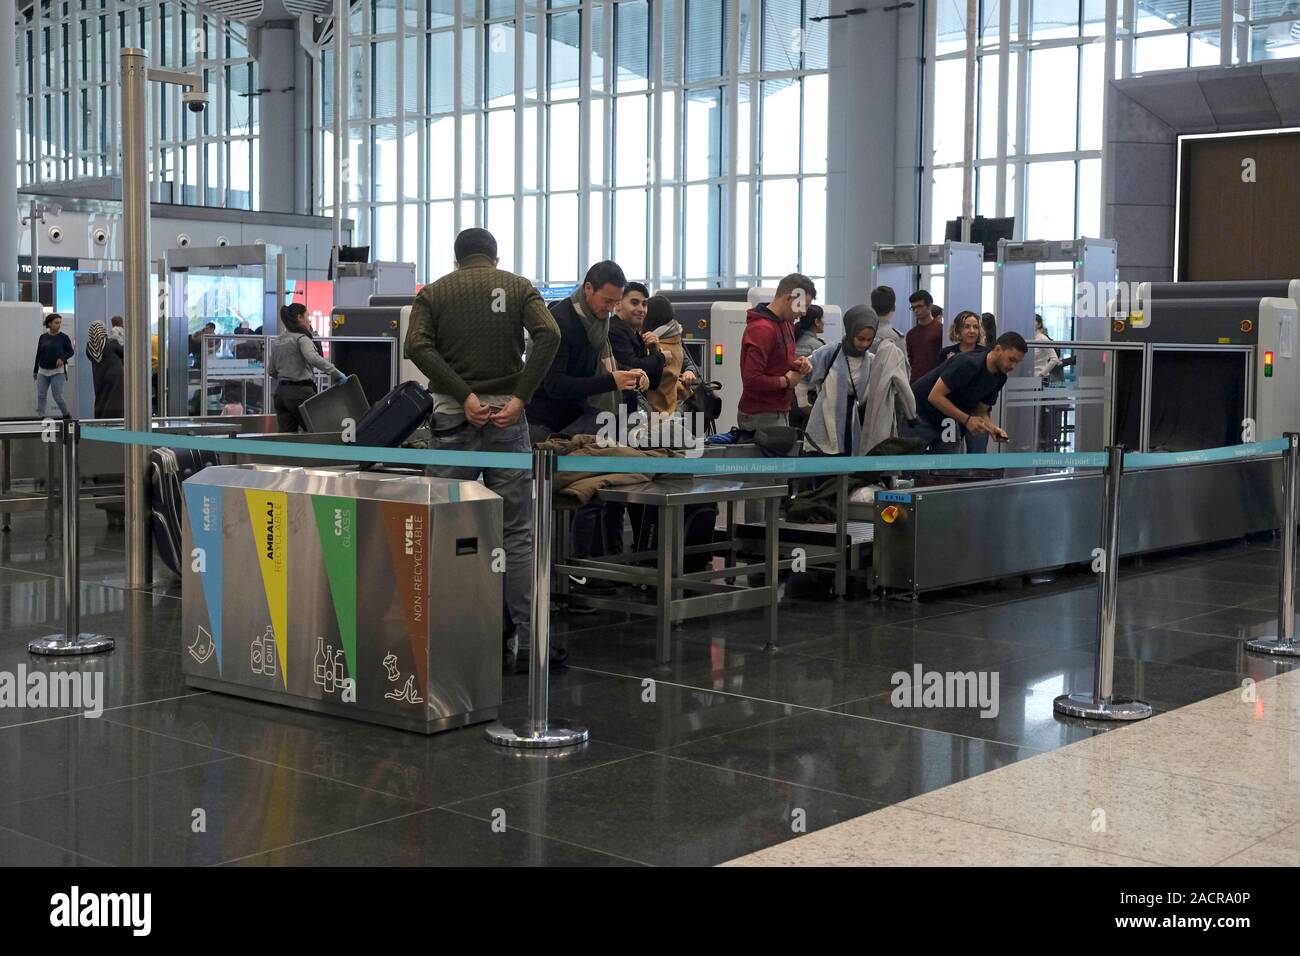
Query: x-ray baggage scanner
899	267
1214	364
727	320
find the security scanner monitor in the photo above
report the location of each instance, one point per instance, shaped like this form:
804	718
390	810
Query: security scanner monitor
376	357
985	232
727	320
1063	409
356	282
704	295
398	299
899	267
1221	371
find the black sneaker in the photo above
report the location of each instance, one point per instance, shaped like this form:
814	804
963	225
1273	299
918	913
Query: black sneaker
587	585
559	658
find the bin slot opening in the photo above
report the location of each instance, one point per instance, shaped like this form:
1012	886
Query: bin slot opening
466	546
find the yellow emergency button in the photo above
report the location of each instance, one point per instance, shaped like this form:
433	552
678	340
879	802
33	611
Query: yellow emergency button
889	514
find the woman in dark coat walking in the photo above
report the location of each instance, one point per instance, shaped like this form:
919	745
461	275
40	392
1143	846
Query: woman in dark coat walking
105	356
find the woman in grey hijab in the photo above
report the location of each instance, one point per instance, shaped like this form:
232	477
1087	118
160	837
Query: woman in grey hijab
840	375
105	354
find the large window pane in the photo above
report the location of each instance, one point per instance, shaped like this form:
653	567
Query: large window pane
563	146
631	140
779	249
780	134
816	104
704	134
702	208
813	259
1090	197
499	150
945	201
1091	92
988	106
562	61
1053	100
501	223
1055	18
1050	212
632	45
704	34
562	243
783	35
949	110
630	230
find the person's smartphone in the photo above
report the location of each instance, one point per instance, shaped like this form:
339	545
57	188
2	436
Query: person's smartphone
1001	437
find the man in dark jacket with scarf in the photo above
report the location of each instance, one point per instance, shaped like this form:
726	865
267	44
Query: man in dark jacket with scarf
634	348
584	381
769	367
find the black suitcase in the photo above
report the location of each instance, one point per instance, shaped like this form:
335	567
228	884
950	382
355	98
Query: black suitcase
395	417
168	468
699	521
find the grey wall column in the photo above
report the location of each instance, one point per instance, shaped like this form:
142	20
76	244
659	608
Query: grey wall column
8	155
278	105
860	186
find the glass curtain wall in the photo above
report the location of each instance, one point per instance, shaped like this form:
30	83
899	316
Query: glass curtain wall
68	109
669	135
1041	82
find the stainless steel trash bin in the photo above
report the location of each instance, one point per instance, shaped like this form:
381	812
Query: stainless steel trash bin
369	595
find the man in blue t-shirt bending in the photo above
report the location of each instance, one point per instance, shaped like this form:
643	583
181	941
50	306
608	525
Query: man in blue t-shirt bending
964	389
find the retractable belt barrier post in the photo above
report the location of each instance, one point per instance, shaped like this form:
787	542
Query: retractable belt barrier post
71	641
539	731
1284	644
1101	704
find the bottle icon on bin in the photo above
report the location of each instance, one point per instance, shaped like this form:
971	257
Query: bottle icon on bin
318	662
262	653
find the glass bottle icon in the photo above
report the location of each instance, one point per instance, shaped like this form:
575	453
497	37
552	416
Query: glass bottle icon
268	652
338	669
318	662
329	670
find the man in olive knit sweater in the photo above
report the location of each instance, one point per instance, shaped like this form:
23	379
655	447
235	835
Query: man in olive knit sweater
466	333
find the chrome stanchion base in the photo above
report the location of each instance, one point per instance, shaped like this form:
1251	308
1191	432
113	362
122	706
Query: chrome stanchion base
1274	646
56	645
1089	708
524	736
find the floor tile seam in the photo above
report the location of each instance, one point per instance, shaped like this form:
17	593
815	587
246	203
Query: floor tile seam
231	755
636	752
825	834
1260	842
56	846
118	780
1022	833
106	710
554	839
876	804
323	836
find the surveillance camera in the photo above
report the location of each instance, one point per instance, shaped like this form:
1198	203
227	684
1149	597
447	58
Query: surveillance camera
100	236
196	101
182	240
222	241
55	234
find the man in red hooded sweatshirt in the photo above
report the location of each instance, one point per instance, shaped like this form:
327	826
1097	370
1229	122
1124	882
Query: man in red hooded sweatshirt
769	368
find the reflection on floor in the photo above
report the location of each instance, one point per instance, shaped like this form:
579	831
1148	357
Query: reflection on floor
740	749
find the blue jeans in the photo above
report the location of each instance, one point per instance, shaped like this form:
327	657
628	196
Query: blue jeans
514	485
47	383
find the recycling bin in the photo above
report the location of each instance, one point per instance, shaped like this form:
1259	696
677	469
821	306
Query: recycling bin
366	594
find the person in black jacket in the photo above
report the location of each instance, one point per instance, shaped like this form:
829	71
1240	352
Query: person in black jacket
583	382
634	348
105	354
50	370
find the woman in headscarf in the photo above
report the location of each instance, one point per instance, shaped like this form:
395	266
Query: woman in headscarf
840	375
105	354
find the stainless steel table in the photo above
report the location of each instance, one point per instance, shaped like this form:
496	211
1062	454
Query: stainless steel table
672	584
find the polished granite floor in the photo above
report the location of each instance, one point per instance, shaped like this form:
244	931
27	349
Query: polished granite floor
731	750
